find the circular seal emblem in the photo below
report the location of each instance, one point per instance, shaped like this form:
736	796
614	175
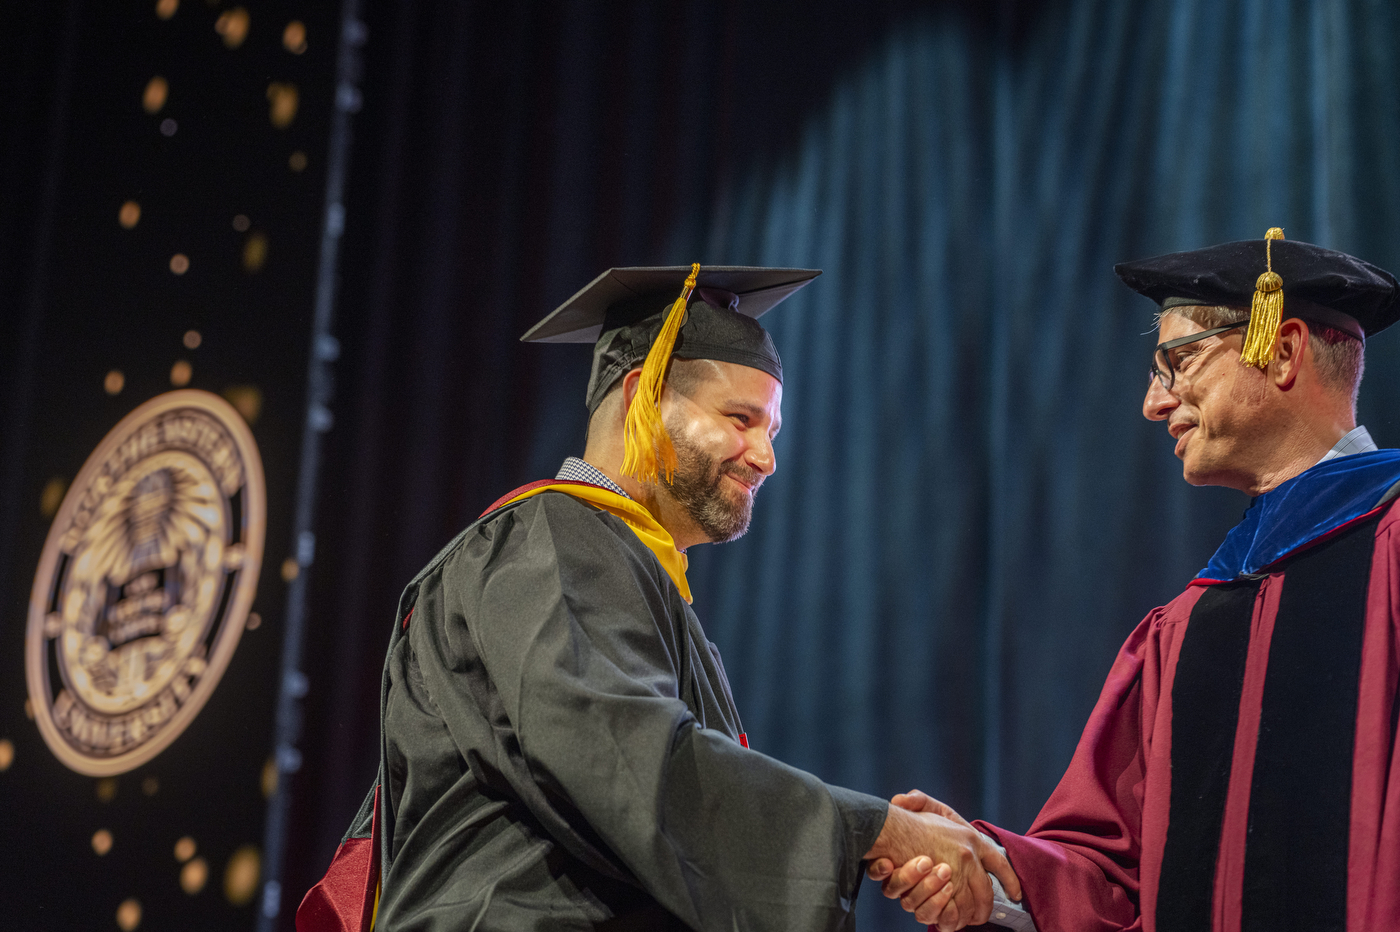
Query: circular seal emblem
145	582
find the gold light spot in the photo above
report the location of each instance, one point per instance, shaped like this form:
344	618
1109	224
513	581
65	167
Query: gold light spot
192	339
297	161
101	841
194	875
129	914
179	263
282	97
246	400
294	37
241	223
233	26
114	382
180	373
241	875
50	499
29	709
166	8
254	621
153	98
150	786
185	849
269	778
129	215
107	789
7	753
290	569
254	252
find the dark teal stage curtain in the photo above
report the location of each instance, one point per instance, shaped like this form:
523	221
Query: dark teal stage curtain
970	513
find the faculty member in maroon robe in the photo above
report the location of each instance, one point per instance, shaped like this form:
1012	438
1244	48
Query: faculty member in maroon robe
1240	771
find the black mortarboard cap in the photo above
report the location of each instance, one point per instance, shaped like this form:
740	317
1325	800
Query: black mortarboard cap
1319	284
623	310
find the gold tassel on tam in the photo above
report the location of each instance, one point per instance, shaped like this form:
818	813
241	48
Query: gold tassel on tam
1267	311
647	451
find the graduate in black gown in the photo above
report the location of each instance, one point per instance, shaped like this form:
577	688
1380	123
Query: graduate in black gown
560	746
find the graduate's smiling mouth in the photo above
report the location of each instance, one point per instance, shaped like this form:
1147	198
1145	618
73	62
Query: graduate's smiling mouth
749	489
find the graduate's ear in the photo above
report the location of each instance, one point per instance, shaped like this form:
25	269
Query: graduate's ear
630	381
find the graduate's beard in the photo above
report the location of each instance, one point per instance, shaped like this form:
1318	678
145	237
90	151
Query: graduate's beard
697	487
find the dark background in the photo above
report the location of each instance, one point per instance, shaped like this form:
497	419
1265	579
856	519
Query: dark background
970	514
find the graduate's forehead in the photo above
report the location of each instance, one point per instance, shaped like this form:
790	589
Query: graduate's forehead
719	384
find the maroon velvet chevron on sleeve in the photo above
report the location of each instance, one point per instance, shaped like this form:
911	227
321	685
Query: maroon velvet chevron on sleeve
343	901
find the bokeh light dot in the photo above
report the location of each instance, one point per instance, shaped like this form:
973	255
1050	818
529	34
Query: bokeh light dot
297	161
290	569
129	215
107	789
294	37
168	127
241	223
114	382
269	778
129	915
185	849
7	753
194	875
166	8
150	786
283	99
154	96
247	400
50	498
180	373
254	621
101	841
233	26
179	263
192	339
254	252
241	875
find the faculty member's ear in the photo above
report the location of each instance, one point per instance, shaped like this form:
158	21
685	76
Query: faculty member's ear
1290	349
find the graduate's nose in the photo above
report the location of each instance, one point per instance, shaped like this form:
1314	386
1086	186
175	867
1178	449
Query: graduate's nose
761	456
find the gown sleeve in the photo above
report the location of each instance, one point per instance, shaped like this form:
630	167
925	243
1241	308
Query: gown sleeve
573	644
1078	864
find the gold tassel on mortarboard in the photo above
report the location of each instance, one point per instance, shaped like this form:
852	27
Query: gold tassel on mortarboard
647	451
1266	313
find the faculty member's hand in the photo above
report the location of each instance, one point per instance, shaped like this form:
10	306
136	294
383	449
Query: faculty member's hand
927	892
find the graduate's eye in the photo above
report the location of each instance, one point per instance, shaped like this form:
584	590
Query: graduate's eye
741	419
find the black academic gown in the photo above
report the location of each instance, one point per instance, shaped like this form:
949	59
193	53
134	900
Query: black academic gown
560	752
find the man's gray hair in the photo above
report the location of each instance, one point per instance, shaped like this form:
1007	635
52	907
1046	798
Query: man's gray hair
1340	357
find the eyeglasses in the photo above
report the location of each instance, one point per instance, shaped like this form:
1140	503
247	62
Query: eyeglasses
1163	369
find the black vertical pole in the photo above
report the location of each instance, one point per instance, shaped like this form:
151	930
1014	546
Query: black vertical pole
324	350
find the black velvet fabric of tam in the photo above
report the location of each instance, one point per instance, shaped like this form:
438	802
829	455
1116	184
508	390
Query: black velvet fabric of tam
1315	281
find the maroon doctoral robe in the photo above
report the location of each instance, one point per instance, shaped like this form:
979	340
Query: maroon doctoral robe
1239	772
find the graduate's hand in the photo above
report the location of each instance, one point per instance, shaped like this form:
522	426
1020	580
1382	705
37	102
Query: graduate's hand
911	831
922	890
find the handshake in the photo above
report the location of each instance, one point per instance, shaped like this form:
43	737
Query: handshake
937	865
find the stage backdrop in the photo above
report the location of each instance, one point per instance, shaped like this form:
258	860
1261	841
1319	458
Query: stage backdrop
163	202
970	514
